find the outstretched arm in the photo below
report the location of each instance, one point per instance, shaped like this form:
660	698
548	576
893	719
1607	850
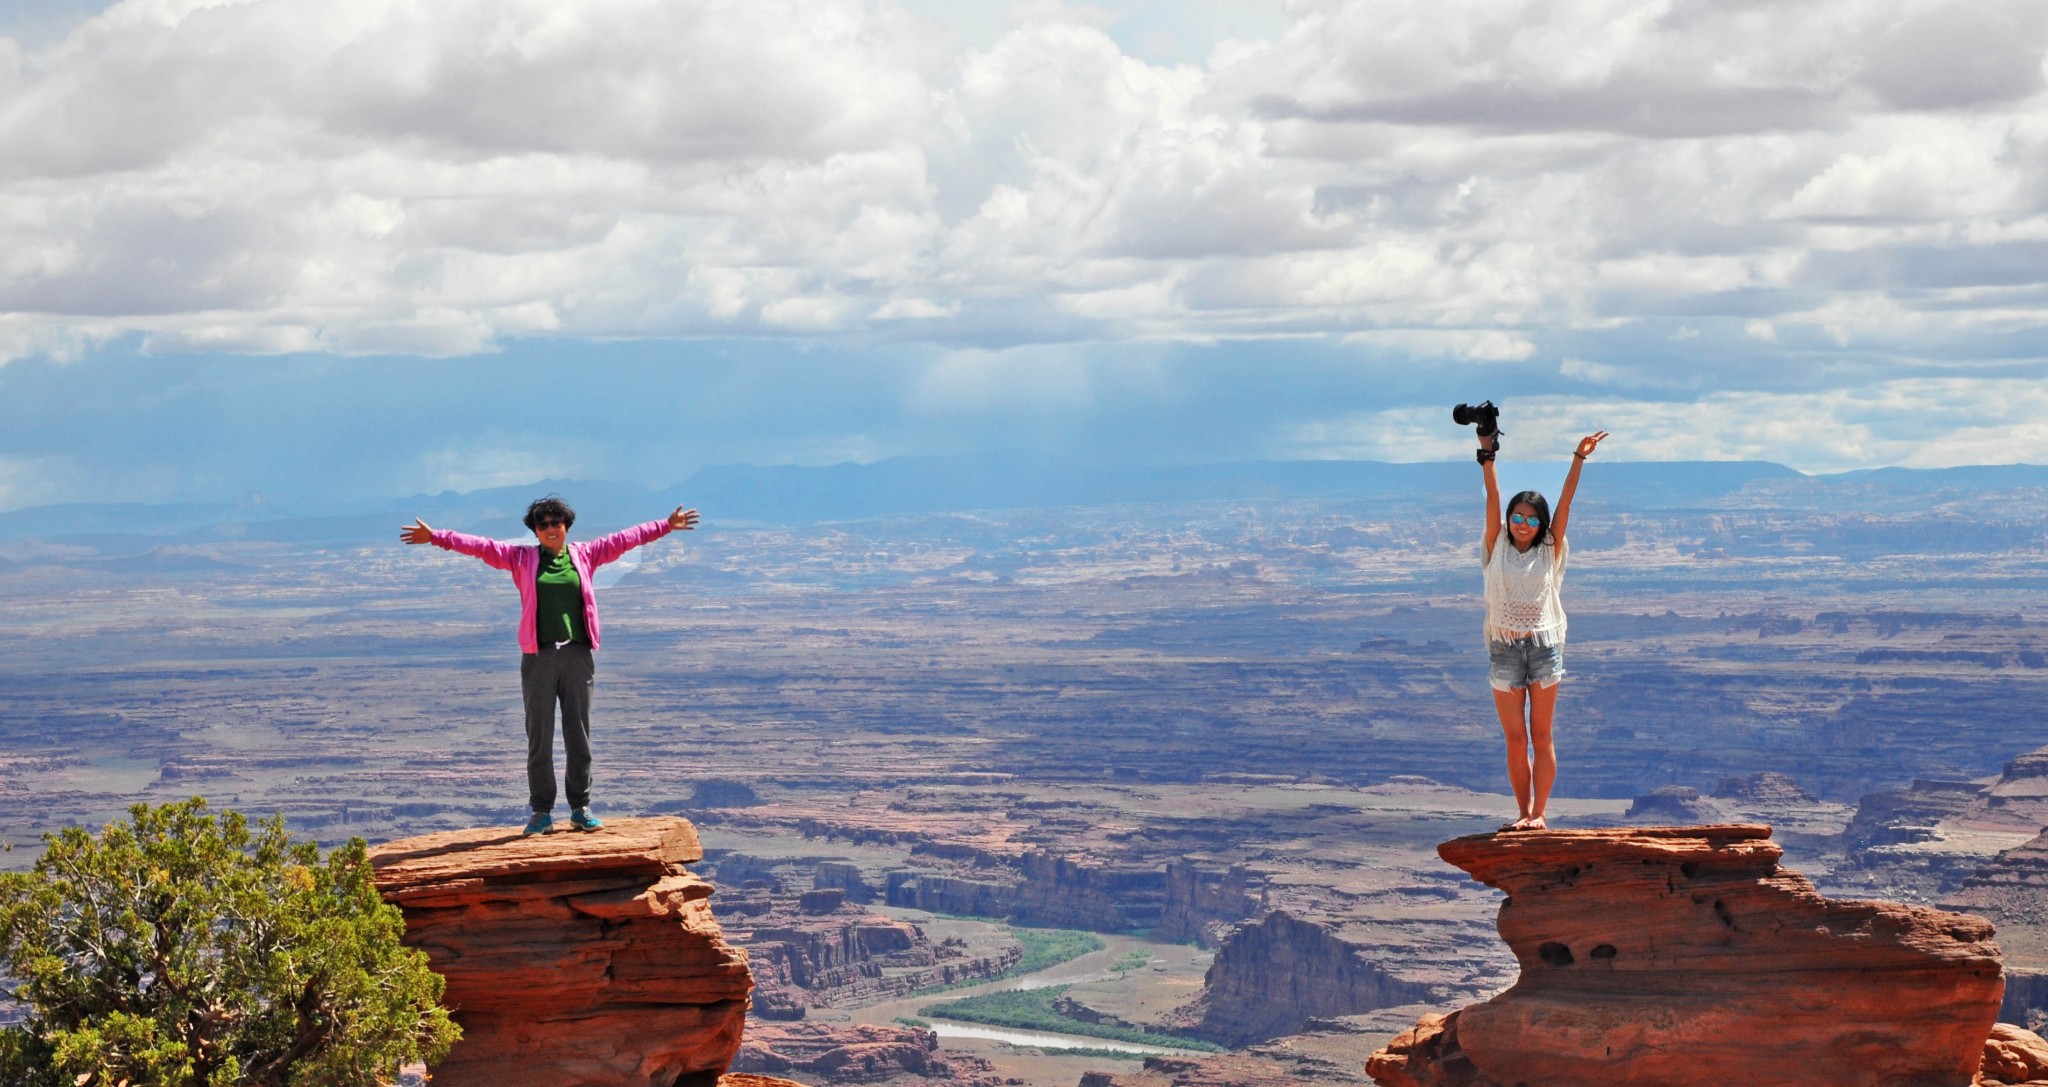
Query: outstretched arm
499	555
1493	524
1571	481
605	549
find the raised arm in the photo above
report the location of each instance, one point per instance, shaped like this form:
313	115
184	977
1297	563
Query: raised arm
1493	524
1571	481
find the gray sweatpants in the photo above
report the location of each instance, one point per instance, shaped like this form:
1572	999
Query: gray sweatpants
554	675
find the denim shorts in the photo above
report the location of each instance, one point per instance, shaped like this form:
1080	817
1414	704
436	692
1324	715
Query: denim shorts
1522	663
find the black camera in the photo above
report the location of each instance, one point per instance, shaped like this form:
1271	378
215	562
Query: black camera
1484	414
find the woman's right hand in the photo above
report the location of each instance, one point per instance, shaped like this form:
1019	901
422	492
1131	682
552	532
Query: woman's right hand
1589	443
416	533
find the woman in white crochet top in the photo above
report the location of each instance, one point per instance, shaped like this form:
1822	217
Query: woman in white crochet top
1525	625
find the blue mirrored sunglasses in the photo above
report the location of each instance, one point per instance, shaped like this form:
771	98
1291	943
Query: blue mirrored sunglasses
1518	519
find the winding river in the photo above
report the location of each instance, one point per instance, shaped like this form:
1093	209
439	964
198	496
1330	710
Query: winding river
1090	967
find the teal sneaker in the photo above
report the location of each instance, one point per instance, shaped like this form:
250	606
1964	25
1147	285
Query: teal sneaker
581	819
541	823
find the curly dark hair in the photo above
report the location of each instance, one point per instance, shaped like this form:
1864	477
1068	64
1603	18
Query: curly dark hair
1541	505
551	507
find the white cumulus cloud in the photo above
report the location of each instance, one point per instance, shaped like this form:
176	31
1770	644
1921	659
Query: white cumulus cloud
1463	180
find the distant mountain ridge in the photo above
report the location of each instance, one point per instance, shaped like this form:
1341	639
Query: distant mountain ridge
797	495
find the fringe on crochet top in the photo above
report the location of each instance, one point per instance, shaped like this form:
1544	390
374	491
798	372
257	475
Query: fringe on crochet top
1522	591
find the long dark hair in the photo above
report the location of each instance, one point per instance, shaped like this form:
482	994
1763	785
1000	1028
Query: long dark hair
1534	500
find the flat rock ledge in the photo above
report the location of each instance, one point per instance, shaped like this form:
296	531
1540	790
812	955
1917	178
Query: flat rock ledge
1688	957
573	959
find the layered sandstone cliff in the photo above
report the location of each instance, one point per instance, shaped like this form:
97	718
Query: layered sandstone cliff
860	1053
1935	834
1687	956
572	960
2012	892
1272	977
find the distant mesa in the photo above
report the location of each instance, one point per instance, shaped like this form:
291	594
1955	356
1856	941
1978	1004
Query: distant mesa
724	794
712	793
1688	957
1675	804
573	960
1271	977
1766	787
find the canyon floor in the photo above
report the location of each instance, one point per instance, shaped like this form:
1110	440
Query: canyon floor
1162	725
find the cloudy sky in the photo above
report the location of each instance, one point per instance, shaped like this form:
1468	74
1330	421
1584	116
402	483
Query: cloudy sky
391	246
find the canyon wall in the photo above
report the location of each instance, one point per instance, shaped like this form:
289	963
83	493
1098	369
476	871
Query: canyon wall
572	960
847	957
860	1053
2012	892
1037	889
1203	904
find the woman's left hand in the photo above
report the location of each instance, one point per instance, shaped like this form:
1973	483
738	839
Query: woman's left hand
1589	443
682	520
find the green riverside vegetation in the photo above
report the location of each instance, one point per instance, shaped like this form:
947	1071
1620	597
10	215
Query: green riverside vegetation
179	950
1048	947
1131	960
1043	948
1032	1009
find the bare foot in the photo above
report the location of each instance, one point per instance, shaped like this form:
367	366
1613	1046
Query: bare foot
1519	824
1535	822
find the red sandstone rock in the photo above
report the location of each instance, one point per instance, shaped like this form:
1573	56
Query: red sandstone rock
2013	1055
572	960
742	1079
1685	956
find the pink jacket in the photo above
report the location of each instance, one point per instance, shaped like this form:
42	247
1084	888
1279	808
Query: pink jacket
523	561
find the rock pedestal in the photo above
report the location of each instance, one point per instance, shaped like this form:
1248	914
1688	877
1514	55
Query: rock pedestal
572	959
1685	956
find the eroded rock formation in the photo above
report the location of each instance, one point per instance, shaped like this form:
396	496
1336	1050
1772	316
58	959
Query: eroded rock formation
1272	977
1764	787
1675	803
572	960
2012	892
1687	956
1934	835
860	1053
1202	904
813	948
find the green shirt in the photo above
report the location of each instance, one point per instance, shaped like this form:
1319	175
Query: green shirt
558	601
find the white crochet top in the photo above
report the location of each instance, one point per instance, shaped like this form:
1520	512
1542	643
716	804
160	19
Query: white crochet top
1522	592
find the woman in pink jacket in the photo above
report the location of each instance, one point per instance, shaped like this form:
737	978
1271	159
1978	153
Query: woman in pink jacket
558	631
